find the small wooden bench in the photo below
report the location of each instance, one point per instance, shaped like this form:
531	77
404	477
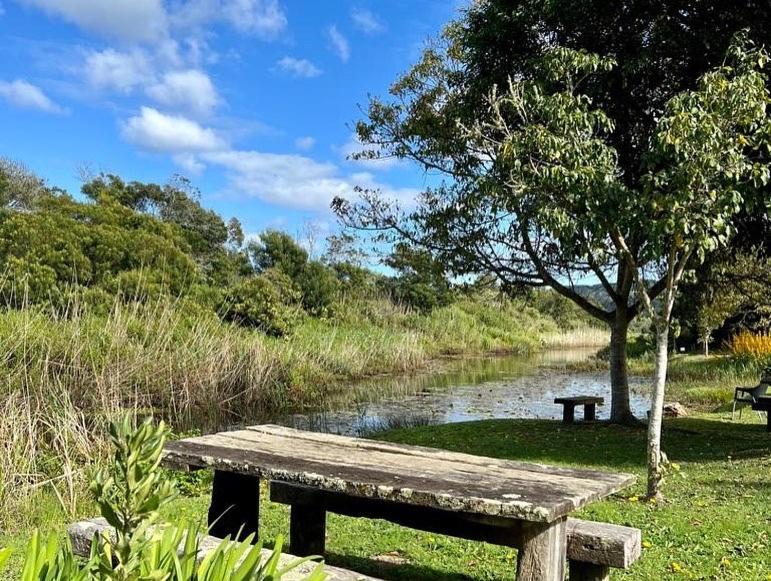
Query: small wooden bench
569	404
83	532
592	547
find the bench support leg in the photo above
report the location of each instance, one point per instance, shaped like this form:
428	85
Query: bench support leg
590	412
542	553
588	572
568	413
235	505
307	529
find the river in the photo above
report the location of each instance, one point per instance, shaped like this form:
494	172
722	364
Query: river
466	389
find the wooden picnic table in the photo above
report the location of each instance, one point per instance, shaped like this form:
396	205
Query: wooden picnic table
526	501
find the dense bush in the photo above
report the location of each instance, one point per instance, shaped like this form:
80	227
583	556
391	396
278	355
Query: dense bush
261	303
276	249
565	312
319	287
65	242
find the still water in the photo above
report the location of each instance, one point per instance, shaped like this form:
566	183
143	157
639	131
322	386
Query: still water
467	389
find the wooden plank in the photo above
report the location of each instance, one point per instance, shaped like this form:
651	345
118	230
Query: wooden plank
82	533
580	399
475	527
588	542
603	543
411	475
542	554
568	413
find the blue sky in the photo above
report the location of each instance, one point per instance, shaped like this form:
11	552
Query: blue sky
251	99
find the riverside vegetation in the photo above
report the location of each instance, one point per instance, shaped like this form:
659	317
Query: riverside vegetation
139	299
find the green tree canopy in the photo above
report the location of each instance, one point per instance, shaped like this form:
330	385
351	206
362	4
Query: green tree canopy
65	243
540	142
276	249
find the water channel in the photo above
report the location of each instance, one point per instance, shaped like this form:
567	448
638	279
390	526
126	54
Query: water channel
467	389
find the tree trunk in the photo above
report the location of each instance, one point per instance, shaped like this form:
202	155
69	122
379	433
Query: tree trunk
655	464
620	410
706	346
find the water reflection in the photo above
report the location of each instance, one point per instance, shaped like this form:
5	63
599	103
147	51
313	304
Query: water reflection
463	390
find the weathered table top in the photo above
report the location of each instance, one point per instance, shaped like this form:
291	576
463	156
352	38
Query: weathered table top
579	399
406	474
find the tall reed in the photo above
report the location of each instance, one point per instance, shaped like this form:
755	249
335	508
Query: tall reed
66	374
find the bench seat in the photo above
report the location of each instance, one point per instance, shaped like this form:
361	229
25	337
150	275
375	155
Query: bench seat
82	533
592	547
590	403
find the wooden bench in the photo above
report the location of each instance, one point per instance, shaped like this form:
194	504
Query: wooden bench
569	404
592	547
525	504
83	532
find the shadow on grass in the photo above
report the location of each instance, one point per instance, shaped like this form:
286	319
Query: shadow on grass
597	444
392	571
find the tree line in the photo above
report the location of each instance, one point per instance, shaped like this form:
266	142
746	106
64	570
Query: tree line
136	241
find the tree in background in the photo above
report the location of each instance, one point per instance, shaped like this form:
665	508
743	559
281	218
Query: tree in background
275	249
316	282
64	245
421	281
20	188
709	161
541	231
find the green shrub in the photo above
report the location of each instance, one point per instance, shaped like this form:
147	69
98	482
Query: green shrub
318	286
129	493
258	303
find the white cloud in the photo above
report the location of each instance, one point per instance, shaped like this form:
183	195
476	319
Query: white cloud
353	145
191	90
366	21
338	43
156	131
298	67
120	71
190	163
296	181
20	93
126	20
304	143
265	19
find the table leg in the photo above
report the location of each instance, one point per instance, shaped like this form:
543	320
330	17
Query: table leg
568	413
307	529
768	420
543	550
590	412
235	505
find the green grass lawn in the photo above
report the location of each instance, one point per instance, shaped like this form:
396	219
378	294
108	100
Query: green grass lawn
716	523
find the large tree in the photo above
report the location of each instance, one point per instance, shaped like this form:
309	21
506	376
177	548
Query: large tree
476	220
710	158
